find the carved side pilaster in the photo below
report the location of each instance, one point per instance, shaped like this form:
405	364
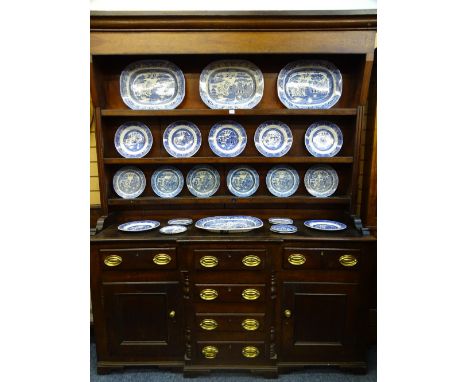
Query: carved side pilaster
188	344
186	288
273	285
272	343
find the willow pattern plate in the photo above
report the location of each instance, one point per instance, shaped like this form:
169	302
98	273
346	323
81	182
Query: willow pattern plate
280	221
273	139
129	182
167	181
227	139
282	181
283	228
133	140
323	139
182	139
138	226
173	229
243	181
321	181
325	225
203	181
180	221
229	223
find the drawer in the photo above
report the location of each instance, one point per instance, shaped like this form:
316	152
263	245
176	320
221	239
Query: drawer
230	322
138	259
240	352
321	258
229	259
248	293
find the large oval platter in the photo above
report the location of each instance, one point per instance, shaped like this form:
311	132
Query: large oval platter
231	84
203	181
309	84
325	225
139	226
152	85
323	139
321	181
273	139
243	181
229	223
282	181
167	181
182	139
227	139
133	140
129	182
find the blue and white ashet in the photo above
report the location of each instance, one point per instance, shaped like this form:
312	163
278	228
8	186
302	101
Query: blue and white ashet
309	84
229	223
283	228
138	226
173	229
273	139
282	181
321	181
167	181
180	221
243	181
280	221
133	140
203	181
323	139
182	139
152	85
129	182
227	139
325	225
231	84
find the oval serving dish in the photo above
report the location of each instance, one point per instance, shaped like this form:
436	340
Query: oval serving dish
229	223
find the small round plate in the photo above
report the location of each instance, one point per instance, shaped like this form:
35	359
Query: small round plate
138	226
129	182
273	139
321	181
243	181
203	181
283	228
167	181
180	221
227	139
173	229
323	139
285	221
282	181
325	225
133	140
182	139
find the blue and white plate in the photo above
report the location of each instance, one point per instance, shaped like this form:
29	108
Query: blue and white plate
173	229
283	228
182	139
309	84
280	221
133	140
229	223
231	84
167	181
243	181
321	181
129	182
273	139
138	226
282	181
203	181
323	139
325	225
152	85
227	139
180	221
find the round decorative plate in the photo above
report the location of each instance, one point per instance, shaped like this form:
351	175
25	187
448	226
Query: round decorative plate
229	223
138	226
152	85
180	221
286	221
167	181
231	84
129	182
133	140
323	139
203	181
309	84
283	228
173	229
243	181
227	139
273	139
182	139
321	181
325	225
282	181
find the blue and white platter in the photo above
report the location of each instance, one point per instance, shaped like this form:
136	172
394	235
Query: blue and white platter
152	85
227	139
283	228
229	223
323	139
325	225
309	84
321	181
180	221
182	139
282	181
129	182
133	140
231	84
203	181
167	181
138	226
173	229
273	139
243	181
280	221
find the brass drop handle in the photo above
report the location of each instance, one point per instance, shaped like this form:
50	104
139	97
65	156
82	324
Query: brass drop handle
251	261
112	260
209	261
210	352
162	259
287	313
208	324
208	294
250	294
296	259
348	260
172	313
250	324
250	352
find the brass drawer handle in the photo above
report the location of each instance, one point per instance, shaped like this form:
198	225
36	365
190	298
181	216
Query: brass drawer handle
208	294
162	259
210	352
208	324
112	260
250	352
250	294
348	260
251	261
296	259
209	261
250	324
172	313
287	313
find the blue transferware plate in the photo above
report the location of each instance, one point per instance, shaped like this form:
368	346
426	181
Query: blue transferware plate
203	181
133	140
152	85
309	84
227	139
282	181
182	139
180	221
321	181
167	181
138	226
243	181
325	225
229	223
280	221
173	229
273	139
283	228
231	84
323	139
129	182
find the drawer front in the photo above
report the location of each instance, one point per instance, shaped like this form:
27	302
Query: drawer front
229	259
321	258
138	259
230	322
247	293
239	352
